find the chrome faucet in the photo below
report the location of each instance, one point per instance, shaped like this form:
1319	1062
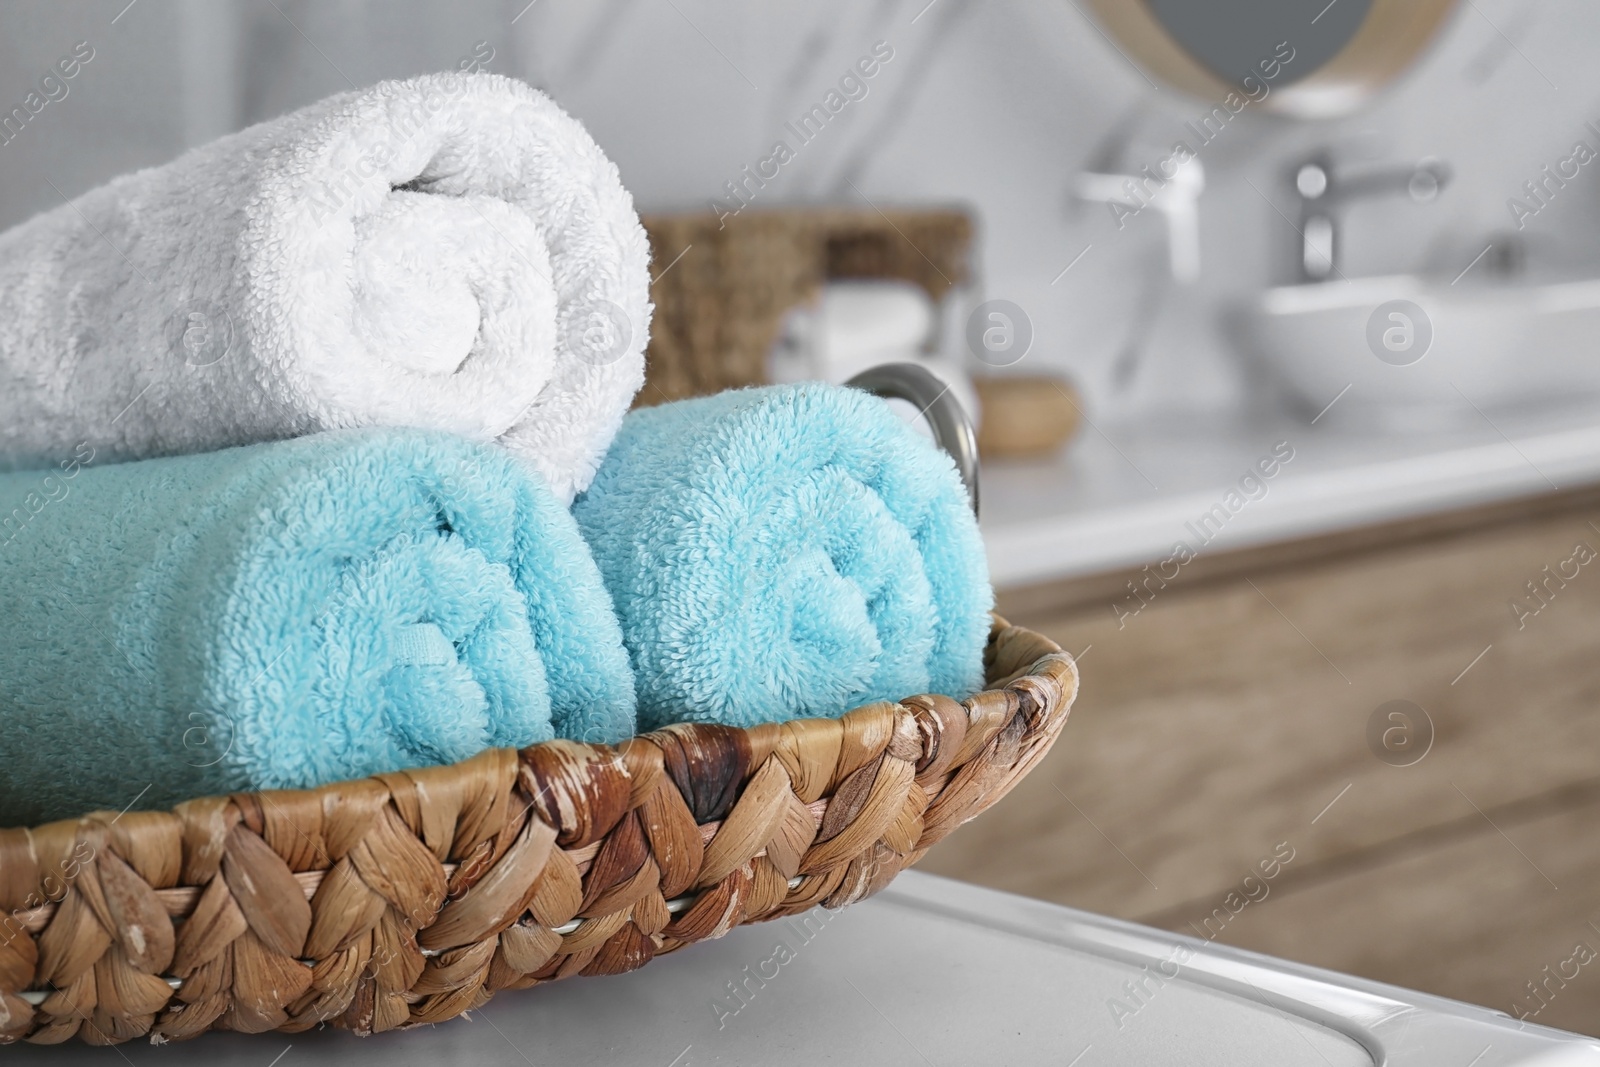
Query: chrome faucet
1170	183
1175	196
1323	192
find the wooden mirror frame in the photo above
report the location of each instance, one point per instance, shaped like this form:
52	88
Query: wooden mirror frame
1387	42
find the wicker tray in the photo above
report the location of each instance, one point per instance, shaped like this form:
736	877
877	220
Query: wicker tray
411	897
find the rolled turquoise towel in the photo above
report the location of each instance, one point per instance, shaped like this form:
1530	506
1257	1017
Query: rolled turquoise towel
783	552
289	614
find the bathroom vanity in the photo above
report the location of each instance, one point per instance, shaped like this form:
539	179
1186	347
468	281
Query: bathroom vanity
1380	656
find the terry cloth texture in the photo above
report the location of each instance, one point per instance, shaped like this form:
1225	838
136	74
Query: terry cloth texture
450	252
783	552
289	614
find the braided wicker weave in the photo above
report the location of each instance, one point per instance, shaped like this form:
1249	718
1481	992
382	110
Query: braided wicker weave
411	897
722	285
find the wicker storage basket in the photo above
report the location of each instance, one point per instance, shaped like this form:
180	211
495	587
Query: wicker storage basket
722	286
411	897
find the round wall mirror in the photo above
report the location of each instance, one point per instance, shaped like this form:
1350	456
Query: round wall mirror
1309	58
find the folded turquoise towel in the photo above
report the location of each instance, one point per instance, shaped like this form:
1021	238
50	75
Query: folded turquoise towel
784	552
289	614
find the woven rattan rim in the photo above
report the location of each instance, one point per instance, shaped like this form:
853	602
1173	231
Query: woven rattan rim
411	897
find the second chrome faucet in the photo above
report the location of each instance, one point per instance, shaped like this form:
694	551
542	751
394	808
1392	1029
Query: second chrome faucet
1324	191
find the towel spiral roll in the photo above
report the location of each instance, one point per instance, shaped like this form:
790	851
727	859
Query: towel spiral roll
449	252
289	614
783	552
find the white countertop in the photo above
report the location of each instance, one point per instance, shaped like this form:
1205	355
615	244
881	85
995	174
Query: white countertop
929	972
1120	496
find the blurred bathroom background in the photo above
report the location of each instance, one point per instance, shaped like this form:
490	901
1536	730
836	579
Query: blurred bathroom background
999	106
1414	550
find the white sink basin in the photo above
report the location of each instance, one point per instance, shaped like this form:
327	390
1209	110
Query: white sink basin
1492	346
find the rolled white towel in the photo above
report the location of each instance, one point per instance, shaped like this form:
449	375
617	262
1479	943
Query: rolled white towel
451	251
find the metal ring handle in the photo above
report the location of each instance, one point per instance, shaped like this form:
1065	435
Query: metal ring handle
952	429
